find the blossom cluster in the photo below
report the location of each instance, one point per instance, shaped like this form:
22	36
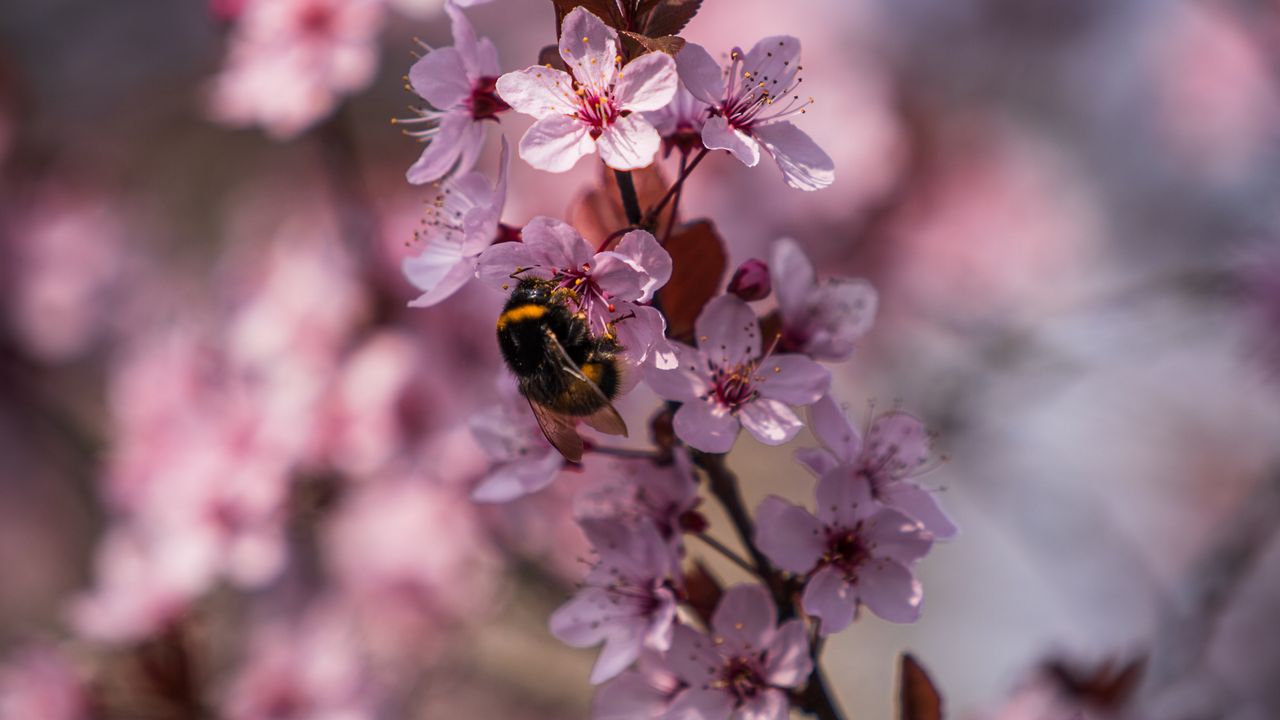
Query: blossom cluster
665	653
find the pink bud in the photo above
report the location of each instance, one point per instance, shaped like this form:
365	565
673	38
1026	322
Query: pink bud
751	281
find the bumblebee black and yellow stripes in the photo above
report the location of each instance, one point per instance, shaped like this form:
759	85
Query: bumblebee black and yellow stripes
566	372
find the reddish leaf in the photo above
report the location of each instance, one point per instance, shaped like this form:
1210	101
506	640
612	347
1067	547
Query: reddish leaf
669	17
637	44
699	263
549	56
703	591
598	213
606	10
918	698
1106	686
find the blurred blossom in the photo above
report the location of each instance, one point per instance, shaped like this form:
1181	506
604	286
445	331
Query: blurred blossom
644	692
522	461
725	383
412	561
66	260
308	667
822	320
426	8
459	83
40	683
599	108
639	490
141	584
289	62
462	220
680	122
1260	276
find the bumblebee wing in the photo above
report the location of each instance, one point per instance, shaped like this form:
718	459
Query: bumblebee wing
606	419
559	431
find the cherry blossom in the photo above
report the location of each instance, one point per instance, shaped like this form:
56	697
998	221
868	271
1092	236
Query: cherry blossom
461	221
751	281
822	320
599	108
40	682
290	61
522	461
725	383
855	551
638	490
750	101
746	666
628	600
608	287
459	83
896	447
679	123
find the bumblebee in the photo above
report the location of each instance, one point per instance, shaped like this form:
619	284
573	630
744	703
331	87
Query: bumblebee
565	372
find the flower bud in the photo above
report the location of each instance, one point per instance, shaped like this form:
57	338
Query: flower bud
751	281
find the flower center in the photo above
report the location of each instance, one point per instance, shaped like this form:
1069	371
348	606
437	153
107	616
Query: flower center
597	109
735	386
846	551
484	101
741	676
754	95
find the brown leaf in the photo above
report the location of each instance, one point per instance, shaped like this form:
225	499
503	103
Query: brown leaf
598	213
550	56
669	44
669	17
918	697
703	590
606	10
1106	686
699	263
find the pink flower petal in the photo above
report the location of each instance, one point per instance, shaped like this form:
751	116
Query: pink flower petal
775	59
538	91
621	648
828	597
788	663
889	590
728	332
697	703
845	311
816	460
685	384
626	697
793	379
464	41
642	250
701	74
829	423
440	78
643	339
647	83
705	427
769	421
615	276
768	705
793	279
555	243
441	154
495	265
896	536
804	165
693	657
519	478
629	143
555	143
589	48
718	135
897	442
844	498
437	287
581	621
921	506
745	618
790	536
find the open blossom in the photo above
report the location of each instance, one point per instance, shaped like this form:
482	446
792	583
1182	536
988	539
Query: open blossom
822	320
461	221
291	60
725	383
745	668
896	447
679	122
599	108
608	287
522	461
639	490
628	600
459	82
750	101
855	551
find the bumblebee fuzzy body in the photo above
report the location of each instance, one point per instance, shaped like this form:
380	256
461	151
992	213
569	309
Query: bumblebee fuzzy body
536	332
